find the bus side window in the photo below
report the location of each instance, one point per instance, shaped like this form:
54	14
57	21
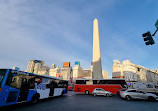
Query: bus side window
38	80
80	82
31	82
89	82
13	80
57	83
63	84
112	82
96	81
103	82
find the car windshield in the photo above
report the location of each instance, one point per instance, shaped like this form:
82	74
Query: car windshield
131	91
2	73
123	89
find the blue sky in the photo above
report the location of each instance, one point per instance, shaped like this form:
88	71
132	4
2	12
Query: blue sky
57	31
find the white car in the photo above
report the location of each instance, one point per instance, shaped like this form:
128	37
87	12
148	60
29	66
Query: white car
136	94
100	91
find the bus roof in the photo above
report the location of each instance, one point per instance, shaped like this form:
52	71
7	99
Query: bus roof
100	79
47	76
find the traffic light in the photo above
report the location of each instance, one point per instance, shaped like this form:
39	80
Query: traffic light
148	38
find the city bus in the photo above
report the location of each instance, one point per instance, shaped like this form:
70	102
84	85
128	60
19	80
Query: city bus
18	86
88	85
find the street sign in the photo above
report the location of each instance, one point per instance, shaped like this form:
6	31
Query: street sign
156	24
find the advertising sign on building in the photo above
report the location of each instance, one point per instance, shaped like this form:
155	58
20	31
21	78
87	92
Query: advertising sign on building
77	63
58	74
66	64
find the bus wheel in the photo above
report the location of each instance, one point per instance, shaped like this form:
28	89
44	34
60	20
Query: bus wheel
35	98
86	92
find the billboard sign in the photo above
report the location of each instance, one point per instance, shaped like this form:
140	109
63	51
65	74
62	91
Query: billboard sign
77	63
66	64
58	74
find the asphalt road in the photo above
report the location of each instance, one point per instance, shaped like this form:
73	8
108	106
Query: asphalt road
81	102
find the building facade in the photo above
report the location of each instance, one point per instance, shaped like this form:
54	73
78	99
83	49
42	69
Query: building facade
16	68
44	70
38	67
132	72
105	74
34	66
77	71
66	71
87	73
54	71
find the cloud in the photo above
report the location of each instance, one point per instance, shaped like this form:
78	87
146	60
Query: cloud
22	36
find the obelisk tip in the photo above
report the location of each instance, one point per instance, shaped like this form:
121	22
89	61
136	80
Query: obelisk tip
95	19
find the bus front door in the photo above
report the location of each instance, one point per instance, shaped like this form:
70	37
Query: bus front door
24	90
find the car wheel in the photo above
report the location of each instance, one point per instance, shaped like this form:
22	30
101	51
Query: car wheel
151	98
128	98
87	92
94	94
107	95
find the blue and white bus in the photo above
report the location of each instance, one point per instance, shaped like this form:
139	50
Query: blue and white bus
18	86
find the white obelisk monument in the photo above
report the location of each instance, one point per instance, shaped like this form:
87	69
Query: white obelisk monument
97	67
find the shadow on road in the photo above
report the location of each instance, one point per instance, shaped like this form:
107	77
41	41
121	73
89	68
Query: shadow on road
80	101
28	104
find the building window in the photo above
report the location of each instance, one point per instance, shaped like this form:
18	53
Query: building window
138	69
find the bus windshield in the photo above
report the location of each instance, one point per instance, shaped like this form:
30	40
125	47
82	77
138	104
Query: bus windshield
2	73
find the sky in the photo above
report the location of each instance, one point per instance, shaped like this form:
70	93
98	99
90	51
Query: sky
58	31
